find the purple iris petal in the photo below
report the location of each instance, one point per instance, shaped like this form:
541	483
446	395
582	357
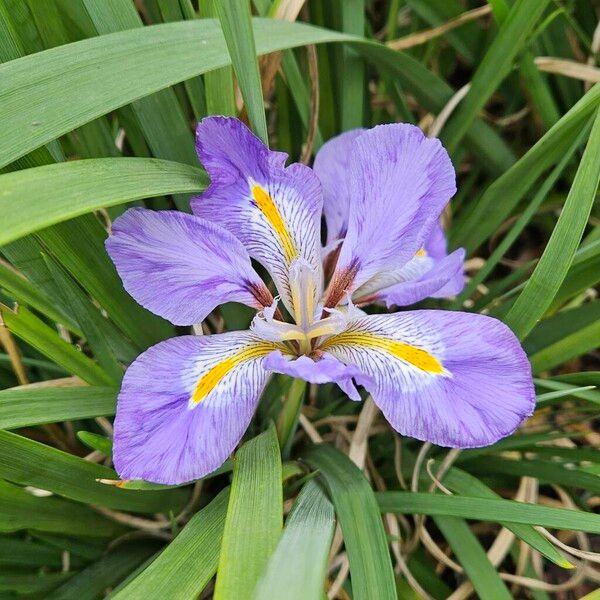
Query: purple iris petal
483	393
400	182
324	370
158	437
273	210
332	166
431	273
181	267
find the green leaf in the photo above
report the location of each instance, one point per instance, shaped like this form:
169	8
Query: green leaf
352	69
297	569
27	553
97	330
544	471
161	119
30	463
482	574
79	246
24	407
96	442
188	563
359	518
92	582
25	325
218	83
516	230
32	584
508	190
89	78
35	198
484	509
465	484
22	510
24	292
254	517
234	16
554	264
494	67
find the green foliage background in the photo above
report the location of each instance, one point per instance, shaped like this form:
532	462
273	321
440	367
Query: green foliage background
98	101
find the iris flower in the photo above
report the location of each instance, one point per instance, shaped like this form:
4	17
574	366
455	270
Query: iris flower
451	378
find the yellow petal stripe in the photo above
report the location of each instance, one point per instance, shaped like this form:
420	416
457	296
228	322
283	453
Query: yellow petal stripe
415	356
215	374
269	209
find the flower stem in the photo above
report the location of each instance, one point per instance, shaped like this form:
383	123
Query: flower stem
287	421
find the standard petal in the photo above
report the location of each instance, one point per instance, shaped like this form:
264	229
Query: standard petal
184	405
455	379
430	273
325	369
273	210
181	267
332	166
400	182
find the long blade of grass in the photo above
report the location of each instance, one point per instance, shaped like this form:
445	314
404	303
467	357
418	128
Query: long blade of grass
22	510
25	325
487	509
254	517
358	516
494	66
24	407
92	582
92	77
234	16
508	190
296	571
35	198
482	574
554	264
187	564
24	292
75	478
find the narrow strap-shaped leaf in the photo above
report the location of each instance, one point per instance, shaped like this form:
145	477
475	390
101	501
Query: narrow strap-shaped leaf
508	190
187	564
352	71
465	484
234	16
92	77
26	407
95	327
22	510
494	66
25	325
109	570
35	198
482	574
218	83
24	292
362	527
558	255
484	509
296	571
75	478
254	517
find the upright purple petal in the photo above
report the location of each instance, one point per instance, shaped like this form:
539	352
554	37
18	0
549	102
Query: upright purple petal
455	379
430	273
400	182
181	267
273	210
185	404
332	166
